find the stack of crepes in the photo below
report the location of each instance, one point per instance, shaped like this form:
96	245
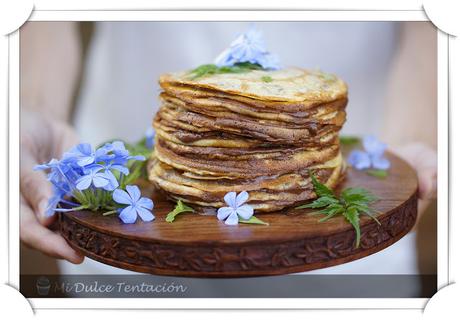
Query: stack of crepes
263	132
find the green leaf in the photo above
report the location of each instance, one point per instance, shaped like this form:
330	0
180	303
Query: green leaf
360	206
373	217
210	69
381	174
253	220
351	203
267	79
357	195
321	189
204	70
332	211
349	140
319	203
352	215
180	208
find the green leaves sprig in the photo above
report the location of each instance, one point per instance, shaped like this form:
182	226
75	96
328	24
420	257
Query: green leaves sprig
351	203
180	208
210	69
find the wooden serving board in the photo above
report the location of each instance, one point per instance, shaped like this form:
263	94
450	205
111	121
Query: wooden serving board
197	245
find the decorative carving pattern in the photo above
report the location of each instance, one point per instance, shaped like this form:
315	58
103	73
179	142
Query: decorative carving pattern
242	259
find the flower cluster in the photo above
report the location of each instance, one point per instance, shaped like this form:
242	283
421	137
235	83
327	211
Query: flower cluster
88	178
248	47
371	157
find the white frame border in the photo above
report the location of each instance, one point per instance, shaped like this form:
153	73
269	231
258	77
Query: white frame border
259	303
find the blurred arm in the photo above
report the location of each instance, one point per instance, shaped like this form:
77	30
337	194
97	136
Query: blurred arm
410	124
50	63
410	112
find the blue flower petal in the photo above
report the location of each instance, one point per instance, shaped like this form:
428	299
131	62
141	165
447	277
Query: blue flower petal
100	180
113	182
149	137
225	59
134	193
112	185
232	219
224	212
145	214
128	215
85	160
145	203
373	146
230	199
82	155
53	163
269	61
52	204
121	196
359	160
85	148
120	168
118	147
380	163
84	182
242	197
248	47
245	211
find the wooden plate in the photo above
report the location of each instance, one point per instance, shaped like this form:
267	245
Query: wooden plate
201	246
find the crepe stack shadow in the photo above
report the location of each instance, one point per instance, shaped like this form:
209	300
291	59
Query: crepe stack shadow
261	131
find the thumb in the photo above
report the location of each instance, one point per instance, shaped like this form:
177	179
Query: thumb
35	188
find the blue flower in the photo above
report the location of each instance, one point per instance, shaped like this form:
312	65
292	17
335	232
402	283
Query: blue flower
83	168
137	205
46	166
82	154
149	138
236	208
248	47
121	154
94	177
61	174
371	157
55	199
63	183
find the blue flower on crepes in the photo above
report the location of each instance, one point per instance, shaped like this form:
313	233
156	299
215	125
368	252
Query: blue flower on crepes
137	205
371	157
248	47
149	138
236	208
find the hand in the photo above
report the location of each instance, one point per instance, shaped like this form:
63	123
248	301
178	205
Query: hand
42	138
424	160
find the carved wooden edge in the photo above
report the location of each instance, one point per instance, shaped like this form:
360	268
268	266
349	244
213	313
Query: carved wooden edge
240	260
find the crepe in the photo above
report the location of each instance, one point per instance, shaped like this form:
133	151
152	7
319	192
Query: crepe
237	132
289	84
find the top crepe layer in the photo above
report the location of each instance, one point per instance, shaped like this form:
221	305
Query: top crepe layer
287	85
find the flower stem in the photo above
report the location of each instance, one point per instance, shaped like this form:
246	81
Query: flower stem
71	209
109	212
